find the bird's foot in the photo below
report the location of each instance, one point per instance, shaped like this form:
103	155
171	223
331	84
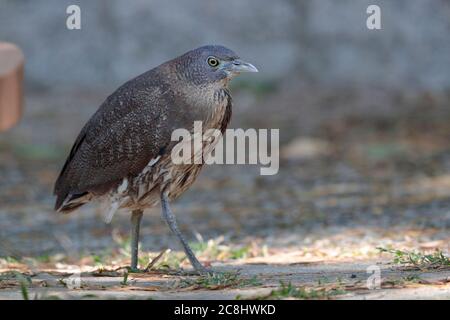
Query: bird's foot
135	270
200	269
204	271
213	274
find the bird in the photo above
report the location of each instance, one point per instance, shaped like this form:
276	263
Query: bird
122	155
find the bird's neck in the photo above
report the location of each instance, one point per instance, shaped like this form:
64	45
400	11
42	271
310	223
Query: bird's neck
207	97
208	104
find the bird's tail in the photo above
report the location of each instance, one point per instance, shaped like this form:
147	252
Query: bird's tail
71	202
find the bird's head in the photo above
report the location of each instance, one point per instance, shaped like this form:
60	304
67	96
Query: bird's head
212	65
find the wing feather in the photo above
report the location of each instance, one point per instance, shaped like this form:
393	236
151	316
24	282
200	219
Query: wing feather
125	133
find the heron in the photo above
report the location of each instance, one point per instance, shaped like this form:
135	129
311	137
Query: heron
122	156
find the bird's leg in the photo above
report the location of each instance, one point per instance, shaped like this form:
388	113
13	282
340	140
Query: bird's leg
169	217
136	217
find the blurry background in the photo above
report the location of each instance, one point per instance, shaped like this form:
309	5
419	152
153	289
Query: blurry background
363	117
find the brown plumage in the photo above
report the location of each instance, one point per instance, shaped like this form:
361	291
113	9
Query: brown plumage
122	155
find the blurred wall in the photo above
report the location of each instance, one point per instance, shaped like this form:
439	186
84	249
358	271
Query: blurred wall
319	41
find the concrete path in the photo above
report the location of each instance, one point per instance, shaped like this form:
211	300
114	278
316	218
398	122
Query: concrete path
335	280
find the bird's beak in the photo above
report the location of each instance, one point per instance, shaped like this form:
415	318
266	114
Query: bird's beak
237	66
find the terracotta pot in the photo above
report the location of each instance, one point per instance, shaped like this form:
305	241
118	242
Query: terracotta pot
11	76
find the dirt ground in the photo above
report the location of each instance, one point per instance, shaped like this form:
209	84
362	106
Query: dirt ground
360	193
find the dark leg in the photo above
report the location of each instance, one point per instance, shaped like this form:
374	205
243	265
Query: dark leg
168	216
136	217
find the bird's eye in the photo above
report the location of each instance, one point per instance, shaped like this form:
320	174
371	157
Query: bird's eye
213	62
